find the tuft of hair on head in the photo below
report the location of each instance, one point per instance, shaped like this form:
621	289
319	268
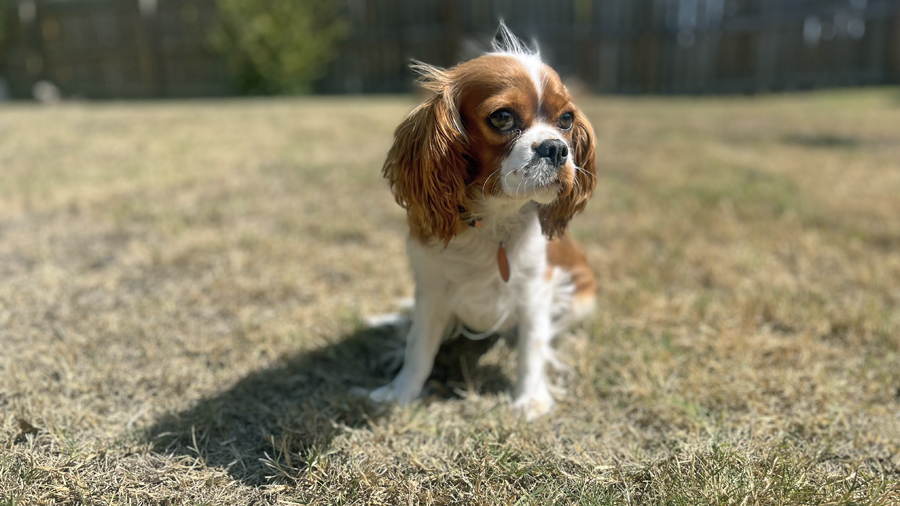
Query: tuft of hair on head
506	42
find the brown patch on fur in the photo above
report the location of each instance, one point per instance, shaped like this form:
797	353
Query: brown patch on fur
567	254
548	272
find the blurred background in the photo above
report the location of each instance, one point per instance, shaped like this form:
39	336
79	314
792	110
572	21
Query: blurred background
103	49
184	283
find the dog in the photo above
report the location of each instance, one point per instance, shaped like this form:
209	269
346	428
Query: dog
491	169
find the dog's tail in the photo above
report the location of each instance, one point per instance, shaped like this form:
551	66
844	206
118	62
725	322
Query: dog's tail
569	307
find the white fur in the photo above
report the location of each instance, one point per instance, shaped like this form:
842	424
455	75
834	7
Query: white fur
462	283
532	62
522	181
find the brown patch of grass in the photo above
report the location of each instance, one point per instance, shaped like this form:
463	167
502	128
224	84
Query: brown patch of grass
182	286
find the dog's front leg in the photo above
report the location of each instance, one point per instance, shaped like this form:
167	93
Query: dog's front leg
430	320
532	395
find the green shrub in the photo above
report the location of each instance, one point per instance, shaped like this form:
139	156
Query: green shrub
277	46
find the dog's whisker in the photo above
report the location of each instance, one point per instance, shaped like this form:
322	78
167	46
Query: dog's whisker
486	182
586	172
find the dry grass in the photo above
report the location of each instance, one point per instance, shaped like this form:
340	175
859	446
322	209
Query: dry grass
181	286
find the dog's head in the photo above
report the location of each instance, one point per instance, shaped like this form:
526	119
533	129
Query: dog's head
501	126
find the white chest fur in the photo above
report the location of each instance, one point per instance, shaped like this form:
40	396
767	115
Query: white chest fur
462	283
468	275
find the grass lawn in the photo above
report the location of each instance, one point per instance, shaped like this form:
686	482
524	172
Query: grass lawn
183	286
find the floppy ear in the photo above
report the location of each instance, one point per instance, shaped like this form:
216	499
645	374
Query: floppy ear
427	165
557	214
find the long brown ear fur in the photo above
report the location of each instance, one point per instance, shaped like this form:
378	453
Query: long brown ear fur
427	168
556	215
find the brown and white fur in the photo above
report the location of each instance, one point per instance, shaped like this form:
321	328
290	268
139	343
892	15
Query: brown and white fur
452	167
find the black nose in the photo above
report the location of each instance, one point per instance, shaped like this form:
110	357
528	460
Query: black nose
554	150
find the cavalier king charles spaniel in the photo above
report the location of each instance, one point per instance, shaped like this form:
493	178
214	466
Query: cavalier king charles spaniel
491	169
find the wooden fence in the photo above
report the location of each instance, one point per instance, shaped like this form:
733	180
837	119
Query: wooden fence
632	46
114	48
158	48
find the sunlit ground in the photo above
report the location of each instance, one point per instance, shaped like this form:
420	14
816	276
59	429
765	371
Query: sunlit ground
182	286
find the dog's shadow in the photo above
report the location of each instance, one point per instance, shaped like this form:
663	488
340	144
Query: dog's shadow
280	417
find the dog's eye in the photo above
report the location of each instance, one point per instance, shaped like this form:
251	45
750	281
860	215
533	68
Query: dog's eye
503	120
565	121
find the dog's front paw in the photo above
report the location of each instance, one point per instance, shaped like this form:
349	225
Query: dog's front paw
394	393
385	394
533	404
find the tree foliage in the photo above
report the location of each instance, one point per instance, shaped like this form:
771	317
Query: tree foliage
277	46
